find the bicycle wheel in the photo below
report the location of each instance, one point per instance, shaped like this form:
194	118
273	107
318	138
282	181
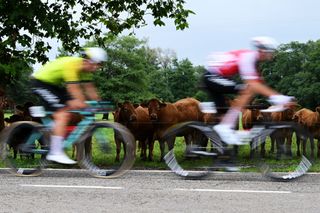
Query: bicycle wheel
285	163
105	159
194	157
23	148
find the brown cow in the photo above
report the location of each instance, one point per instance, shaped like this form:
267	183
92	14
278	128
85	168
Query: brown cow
163	115
189	111
283	137
137	120
250	117
310	120
117	139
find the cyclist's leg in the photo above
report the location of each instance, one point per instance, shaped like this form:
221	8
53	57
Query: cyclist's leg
55	99
243	98
218	86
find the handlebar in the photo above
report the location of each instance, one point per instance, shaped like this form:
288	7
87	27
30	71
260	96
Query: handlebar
100	103
94	107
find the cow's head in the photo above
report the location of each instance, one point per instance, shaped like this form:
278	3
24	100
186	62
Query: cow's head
127	112
256	115
288	114
154	106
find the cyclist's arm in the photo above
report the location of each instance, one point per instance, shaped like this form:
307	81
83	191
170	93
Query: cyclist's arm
75	91
90	91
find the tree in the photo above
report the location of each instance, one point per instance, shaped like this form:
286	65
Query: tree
201	93
159	85
124	76
295	71
25	24
17	81
182	80
163	61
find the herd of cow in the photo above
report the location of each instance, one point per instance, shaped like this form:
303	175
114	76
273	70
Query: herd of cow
148	122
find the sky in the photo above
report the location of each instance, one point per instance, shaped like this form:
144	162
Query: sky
229	24
222	25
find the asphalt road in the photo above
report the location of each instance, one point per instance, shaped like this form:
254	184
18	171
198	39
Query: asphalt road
156	191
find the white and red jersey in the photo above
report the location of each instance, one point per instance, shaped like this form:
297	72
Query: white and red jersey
242	62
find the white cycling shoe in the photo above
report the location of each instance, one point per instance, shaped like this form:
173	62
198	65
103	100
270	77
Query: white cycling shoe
60	158
228	135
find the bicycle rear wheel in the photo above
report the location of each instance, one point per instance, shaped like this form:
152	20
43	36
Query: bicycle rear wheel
105	159
23	148
284	164
194	157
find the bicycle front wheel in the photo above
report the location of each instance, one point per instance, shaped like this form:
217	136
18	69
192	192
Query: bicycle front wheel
23	148
193	157
282	160
106	158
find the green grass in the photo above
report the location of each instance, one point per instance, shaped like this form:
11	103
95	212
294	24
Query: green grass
107	159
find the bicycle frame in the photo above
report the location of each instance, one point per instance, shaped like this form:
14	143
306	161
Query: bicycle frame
74	136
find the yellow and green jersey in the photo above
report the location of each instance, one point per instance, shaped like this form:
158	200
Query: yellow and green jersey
63	70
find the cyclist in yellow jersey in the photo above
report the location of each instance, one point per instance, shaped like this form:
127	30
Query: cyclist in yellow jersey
65	84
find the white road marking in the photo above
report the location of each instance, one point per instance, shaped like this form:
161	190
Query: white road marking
147	171
68	186
236	191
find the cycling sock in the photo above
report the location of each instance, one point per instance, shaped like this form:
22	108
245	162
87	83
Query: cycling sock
231	117
56	144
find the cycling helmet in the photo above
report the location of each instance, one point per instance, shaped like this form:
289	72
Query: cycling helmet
95	54
264	43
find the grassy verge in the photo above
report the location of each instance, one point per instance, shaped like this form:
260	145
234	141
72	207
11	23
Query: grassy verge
105	160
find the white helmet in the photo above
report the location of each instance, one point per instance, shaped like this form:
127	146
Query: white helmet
95	54
264	43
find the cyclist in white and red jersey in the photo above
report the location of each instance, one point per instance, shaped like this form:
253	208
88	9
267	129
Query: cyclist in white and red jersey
222	66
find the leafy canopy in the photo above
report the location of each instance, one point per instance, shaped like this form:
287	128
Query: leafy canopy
25	23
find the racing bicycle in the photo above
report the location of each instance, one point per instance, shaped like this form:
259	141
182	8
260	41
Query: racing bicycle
30	142
209	153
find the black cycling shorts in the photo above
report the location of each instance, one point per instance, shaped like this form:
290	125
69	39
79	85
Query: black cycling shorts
217	87
54	97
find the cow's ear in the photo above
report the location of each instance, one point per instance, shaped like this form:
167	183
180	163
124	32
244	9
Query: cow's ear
318	109
136	105
120	105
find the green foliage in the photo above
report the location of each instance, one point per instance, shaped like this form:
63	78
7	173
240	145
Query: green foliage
158	85
16	78
295	71
137	73
26	23
182	80
124	76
